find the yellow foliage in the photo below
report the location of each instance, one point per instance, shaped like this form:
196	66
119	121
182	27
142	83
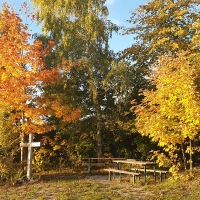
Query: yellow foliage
169	114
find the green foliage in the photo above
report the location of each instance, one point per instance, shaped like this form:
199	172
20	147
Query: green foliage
82	36
10	171
52	154
82	25
162	26
10	168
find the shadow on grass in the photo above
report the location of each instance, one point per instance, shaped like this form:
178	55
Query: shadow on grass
51	176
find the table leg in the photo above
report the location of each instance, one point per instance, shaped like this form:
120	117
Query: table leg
119	166
129	167
145	173
154	169
120	177
89	167
160	176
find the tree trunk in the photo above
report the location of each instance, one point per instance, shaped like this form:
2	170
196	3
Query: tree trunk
184	157
191	161
99	144
99	136
22	138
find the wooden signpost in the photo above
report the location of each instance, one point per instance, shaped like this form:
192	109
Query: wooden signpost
30	146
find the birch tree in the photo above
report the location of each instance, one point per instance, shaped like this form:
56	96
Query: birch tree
81	31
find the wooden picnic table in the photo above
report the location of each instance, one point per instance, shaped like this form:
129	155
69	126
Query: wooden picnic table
131	162
101	162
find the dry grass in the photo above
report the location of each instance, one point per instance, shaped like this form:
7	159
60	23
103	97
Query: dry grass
69	185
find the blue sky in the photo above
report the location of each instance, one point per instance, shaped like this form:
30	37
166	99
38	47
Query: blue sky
119	12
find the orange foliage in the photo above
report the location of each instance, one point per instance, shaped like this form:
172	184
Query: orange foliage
22	73
65	112
21	63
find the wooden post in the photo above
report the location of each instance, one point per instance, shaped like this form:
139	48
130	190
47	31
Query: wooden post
22	138
30	146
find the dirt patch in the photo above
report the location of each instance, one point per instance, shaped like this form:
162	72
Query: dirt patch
124	188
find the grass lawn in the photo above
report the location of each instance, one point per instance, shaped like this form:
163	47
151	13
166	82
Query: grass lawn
79	186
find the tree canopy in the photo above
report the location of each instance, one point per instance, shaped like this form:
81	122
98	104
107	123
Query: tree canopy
69	85
169	113
161	27
82	35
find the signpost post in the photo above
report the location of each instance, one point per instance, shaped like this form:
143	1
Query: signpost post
30	146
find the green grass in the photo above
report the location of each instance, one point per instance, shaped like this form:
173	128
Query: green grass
77	186
184	188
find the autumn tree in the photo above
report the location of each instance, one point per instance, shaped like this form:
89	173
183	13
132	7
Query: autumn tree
169	112
23	75
22	66
81	30
161	27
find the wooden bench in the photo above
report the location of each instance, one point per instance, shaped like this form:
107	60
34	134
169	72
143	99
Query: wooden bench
162	173
134	174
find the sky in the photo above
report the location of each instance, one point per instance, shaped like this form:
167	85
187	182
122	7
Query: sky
119	12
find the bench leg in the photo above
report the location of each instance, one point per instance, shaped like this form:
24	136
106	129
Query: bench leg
120	177
109	176
165	176
160	176
133	179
